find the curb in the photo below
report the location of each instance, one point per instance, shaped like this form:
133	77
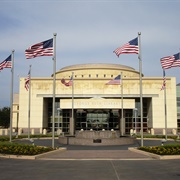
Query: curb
155	156
35	157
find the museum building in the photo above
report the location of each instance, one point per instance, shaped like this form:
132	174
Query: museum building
92	104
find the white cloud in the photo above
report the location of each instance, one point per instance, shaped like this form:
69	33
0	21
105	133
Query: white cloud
88	32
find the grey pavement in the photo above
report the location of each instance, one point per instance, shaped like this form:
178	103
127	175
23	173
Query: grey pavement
78	152
87	170
91	162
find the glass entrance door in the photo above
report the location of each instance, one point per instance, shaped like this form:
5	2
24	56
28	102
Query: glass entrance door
97	119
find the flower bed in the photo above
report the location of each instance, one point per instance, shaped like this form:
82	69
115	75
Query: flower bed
22	149
162	150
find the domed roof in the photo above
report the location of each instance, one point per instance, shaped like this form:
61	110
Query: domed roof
97	66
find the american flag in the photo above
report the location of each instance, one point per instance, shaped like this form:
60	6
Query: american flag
7	63
70	83
129	48
44	48
27	81
164	80
170	61
115	81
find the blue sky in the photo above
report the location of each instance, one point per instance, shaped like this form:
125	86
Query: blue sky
87	32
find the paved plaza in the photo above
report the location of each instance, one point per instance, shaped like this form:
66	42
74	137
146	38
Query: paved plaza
91	162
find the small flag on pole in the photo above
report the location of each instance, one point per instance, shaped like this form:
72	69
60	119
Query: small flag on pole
27	81
129	48
67	83
164	81
44	48
170	61
7	63
115	81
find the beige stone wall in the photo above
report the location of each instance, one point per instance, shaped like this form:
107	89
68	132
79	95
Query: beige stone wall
38	86
96	87
159	106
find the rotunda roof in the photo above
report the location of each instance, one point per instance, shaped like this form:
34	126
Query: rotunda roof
97	66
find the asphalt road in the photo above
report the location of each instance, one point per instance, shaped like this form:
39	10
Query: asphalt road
113	169
87	170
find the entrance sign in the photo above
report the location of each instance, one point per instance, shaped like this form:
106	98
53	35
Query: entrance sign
97	103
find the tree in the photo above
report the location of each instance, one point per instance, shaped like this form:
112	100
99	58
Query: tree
5	117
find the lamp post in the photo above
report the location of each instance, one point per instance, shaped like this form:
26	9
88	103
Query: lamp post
135	115
58	109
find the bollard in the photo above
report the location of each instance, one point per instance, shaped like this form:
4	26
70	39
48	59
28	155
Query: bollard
174	131
44	131
32	131
19	131
131	132
32	141
162	142
152	131
40	130
164	132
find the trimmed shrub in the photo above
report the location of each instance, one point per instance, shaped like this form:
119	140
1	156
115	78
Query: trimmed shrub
163	150
22	149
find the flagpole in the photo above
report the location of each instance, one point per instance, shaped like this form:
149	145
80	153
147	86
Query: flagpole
122	117
140	75
11	96
54	85
165	109
73	103
29	104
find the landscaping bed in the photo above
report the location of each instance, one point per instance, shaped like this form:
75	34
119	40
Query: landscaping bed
173	149
22	149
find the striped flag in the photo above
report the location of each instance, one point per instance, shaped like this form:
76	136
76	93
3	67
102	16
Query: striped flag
170	61
129	48
27	81
44	48
164	81
7	63
70	83
115	81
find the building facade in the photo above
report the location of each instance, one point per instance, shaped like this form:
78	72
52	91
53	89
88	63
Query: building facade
91	104
178	106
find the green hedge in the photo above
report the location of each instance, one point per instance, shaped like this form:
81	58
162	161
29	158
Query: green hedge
175	137
6	138
22	149
163	150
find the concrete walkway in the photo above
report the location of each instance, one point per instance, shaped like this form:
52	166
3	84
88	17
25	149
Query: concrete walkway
96	155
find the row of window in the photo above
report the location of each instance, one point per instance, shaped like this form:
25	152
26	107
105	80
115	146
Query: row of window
97	75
